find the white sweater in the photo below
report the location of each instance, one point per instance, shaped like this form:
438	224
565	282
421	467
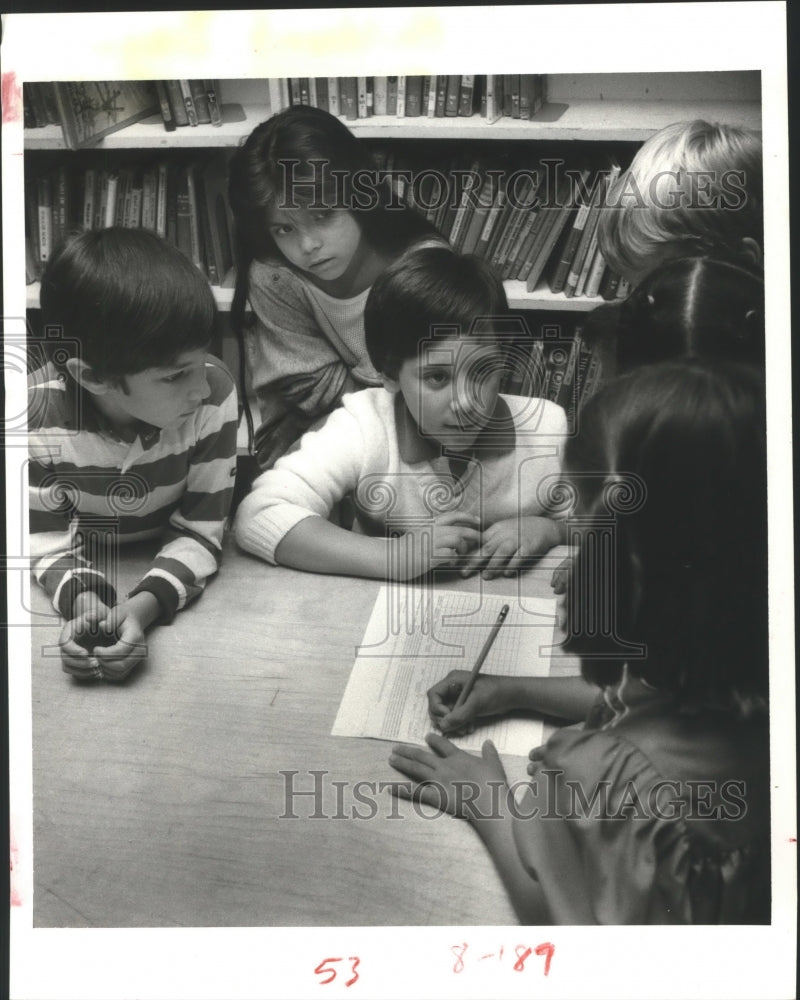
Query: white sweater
371	448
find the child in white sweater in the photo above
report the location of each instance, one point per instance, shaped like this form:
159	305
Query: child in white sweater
443	470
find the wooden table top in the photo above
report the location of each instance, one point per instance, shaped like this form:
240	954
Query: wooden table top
160	802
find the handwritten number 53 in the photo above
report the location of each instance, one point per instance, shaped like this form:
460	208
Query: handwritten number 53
325	967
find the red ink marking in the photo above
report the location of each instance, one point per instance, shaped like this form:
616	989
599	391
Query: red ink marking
321	970
459	964
792	840
522	954
356	962
15	895
12	98
546	949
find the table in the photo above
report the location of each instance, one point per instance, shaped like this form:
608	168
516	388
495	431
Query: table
160	802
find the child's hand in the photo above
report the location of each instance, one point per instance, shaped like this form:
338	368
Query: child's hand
117	661
443	543
488	697
457	782
560	577
511	545
81	635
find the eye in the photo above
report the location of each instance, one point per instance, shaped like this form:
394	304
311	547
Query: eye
282	230
436	378
175	377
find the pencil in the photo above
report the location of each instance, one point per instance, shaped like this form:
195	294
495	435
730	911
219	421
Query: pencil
467	689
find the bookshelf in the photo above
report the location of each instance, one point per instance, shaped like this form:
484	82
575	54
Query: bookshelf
596	110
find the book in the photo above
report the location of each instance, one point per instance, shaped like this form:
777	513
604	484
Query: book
274	94
204	221
312	92
595	274
188	102
108	199
294	90
334	106
515	95
608	285
176	103
413	96
305	89
321	84
214	103
380	95
61	204
89	111
149	198
485	200
134	213
401	97
493	101
363	103
200	99
559	276
348	95
508	86
426	96
391	95
162	171
123	182
553	217
89	197
576	267
195	235
492	216
452	94
441	96
163	103
465	207
432	97
466	94
183	212
563	213
220	220
286	99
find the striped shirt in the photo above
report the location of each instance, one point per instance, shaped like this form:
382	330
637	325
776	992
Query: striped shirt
89	488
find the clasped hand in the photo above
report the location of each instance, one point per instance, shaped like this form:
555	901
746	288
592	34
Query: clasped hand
101	643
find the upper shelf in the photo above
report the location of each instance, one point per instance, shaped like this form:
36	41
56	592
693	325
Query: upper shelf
589	120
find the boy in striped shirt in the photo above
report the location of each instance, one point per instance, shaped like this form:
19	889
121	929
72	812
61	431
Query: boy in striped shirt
132	435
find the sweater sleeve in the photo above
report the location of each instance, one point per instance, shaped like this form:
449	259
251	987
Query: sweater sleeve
58	560
193	545
308	482
288	354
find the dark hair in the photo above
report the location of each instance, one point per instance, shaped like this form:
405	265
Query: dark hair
130	299
426	288
696	307
306	142
675	453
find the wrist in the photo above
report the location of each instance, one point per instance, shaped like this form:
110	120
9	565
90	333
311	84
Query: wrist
143	607
86	601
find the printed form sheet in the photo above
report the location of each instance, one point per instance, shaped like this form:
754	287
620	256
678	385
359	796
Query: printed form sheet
416	636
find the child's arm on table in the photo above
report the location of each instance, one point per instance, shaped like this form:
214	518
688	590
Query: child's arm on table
508	546
475	789
285	518
192	551
568	698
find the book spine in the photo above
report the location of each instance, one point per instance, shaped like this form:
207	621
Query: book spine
491	221
188	102
294	91
432	97
401	97
149	197
111	198
275	99
363	110
176	102
380	95
391	96
205	230
214	102
194	218
89	195
466	94
441	96
45	216
286	99
334	106
515	84
161	200
313	96
559	279
413	96
595	274
135	213
123	198
452	95
305	90
183	225
200	100
163	102
349	97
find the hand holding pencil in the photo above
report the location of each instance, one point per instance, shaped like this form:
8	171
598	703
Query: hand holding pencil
454	716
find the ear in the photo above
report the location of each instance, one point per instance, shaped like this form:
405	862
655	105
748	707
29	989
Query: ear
752	252
86	377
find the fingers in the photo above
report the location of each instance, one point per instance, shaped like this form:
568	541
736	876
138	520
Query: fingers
412	761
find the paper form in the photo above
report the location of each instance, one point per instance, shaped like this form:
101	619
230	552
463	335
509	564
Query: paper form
416	636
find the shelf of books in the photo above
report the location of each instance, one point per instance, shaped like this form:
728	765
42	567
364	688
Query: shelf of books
582	120
474	154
